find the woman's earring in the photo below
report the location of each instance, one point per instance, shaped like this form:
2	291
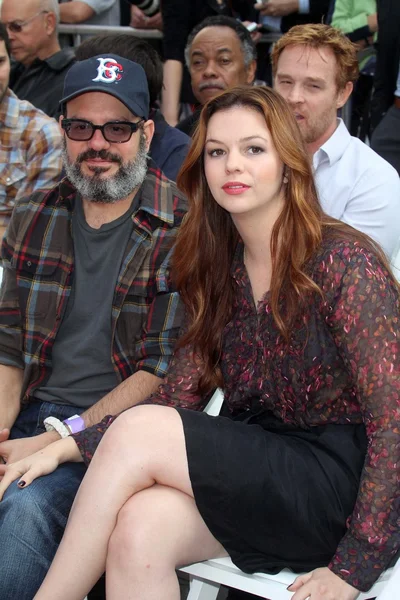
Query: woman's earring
285	178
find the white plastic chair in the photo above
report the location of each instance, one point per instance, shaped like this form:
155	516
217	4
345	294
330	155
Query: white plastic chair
207	577
396	262
391	590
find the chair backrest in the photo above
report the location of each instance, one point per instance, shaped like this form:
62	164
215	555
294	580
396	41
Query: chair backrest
392	587
396	261
214	405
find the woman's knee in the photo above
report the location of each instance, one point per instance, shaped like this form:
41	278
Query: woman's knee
145	418
148	527
148	432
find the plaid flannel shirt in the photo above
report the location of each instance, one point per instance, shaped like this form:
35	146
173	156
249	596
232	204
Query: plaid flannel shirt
38	261
30	152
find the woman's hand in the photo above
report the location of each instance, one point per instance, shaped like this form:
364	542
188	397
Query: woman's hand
322	584
41	463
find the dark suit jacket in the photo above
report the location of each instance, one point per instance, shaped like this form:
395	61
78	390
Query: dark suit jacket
388	58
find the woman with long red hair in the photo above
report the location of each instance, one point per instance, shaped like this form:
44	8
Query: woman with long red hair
296	317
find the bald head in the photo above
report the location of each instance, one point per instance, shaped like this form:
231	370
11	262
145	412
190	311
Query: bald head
32	28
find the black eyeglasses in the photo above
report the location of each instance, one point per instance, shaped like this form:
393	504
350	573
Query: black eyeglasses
115	132
17	26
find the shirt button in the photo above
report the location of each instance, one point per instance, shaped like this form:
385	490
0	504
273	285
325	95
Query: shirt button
8	180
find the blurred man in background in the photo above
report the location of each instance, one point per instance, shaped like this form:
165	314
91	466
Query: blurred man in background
40	64
30	144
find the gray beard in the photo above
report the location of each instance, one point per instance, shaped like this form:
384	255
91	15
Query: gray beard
107	190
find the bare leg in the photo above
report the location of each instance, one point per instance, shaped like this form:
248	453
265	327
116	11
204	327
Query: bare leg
144	446
157	530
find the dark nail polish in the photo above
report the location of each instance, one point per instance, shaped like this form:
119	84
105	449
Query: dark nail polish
21	483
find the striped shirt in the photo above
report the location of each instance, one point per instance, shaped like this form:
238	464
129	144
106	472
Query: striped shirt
30	152
38	261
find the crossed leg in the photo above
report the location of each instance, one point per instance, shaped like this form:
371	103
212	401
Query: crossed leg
134	513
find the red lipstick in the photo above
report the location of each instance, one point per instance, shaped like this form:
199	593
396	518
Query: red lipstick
233	188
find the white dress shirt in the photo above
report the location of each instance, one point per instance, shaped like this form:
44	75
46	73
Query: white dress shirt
359	187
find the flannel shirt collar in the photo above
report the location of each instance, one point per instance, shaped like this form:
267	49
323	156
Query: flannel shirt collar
9	110
66	192
155	195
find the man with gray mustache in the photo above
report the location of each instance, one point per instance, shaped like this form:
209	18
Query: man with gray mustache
88	314
219	54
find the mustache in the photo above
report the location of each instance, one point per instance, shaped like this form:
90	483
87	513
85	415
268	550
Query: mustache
102	154
205	86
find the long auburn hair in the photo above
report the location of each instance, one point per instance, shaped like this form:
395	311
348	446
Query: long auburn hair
202	259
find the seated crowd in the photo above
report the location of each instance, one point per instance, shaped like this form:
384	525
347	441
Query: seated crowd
145	264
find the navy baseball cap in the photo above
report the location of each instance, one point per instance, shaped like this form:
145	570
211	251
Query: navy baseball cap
111	74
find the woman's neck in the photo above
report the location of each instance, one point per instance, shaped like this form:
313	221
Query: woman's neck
256	231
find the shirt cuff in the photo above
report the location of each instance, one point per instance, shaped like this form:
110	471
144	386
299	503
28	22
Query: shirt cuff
88	439
304	7
359	563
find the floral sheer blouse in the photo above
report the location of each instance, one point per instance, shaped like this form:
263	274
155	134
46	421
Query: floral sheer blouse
342	366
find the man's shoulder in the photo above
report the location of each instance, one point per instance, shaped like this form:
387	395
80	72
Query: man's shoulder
160	182
361	155
170	135
30	114
38	130
34	212
22	116
350	155
61	60
39	200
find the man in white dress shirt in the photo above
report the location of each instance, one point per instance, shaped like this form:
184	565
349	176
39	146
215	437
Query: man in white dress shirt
314	68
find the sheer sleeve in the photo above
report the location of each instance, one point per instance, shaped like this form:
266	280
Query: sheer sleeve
363	313
178	389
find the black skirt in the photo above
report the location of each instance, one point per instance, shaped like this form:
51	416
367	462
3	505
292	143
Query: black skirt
274	496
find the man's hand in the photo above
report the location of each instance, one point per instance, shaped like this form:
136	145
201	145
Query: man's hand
255	35
322	584
13	450
140	21
277	8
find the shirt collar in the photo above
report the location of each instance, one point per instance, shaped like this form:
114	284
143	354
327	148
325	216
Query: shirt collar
67	192
57	61
9	110
334	147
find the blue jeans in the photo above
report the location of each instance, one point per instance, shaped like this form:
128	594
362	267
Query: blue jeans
32	520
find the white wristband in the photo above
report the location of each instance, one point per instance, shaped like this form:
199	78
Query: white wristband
53	424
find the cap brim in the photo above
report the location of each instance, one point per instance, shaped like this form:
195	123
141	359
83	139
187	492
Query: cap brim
133	107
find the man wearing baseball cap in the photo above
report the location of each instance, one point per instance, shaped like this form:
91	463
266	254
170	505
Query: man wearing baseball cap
88	315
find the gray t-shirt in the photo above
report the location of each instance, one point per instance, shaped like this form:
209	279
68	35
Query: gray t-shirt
82	370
